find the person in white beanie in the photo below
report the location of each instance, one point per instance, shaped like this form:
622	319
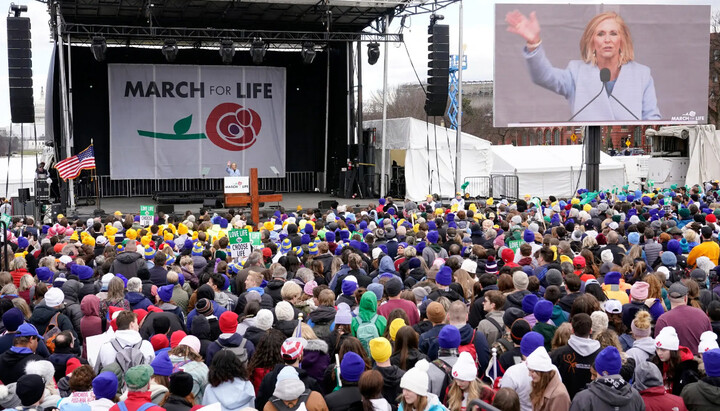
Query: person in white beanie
290	393
415	394
676	362
708	341
465	386
548	392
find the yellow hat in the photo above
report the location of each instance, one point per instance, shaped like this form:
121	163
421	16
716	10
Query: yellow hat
575	201
565	259
268	225
74	236
172	227
454	207
299	207
587	207
416	227
195	235
490	201
472	207
131	234
89	240
182	229
60	217
554	248
145	240
168	236
439	211
380	349
118	213
396	325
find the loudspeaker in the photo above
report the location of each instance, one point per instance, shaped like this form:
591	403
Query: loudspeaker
22	109
438	69
212	203
326	204
24	195
165	208
22	209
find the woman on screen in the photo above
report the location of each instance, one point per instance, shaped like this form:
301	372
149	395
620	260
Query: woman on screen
606	85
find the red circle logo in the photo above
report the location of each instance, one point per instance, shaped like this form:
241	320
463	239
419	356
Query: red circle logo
233	127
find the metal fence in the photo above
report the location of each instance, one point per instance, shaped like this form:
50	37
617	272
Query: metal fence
293	182
496	185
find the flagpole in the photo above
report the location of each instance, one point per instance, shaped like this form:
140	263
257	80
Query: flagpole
97	183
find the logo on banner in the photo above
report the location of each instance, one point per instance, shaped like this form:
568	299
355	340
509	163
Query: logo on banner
229	126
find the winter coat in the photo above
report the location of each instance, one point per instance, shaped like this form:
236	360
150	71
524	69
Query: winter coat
321	320
491	332
128	263
176	403
428	342
610	393
266	301
17	275
202	330
367	310
469	335
642	349
91	323
158	276
656	399
88	287
347	398
555	397
414	355
315	358
137	301
199	372
42	315
515	299
703	395
228	341
314	402
686	372
255	334
287	327
190	278
157	392
273	288
232	395
180	297
574	361
72	305
12	364
147	328
391	383
135	400
217	312
124	338
267	386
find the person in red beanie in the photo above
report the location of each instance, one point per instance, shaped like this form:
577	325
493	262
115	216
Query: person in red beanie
230	339
159	342
176	337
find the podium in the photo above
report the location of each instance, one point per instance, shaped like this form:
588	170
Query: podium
241	191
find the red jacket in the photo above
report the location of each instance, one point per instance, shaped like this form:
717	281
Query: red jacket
656	399
137	399
17	275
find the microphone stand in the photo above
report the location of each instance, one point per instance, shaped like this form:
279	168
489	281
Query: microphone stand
588	103
623	105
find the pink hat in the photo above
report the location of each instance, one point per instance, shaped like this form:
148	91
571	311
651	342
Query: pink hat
639	291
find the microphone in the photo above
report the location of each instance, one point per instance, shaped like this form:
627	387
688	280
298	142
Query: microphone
604	78
610	92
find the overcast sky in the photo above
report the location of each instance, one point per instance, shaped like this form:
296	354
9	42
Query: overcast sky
478	38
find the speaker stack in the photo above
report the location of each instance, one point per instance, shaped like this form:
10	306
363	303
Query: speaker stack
438	69
22	109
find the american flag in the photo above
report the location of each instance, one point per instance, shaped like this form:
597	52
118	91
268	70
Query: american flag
70	167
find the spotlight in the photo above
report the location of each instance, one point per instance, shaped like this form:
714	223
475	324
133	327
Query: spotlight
257	50
170	50
373	53
99	47
308	52
227	51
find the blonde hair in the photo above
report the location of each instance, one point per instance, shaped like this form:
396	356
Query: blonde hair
419	404
562	335
538	388
642	320
690	236
26	282
307	332
18	263
455	395
627	52
290	290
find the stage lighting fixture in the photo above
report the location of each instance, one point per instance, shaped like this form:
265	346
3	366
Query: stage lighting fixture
99	47
373	53
227	51
170	50
257	50
308	52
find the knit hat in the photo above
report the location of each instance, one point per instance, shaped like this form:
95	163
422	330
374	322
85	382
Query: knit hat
511	314
228	322
520	280
639	291
518	330
12	319
343	314
204	307
377	289
176	337
393	287
539	360
667	339
708	341
553	277
528	303
416	378
30	388
159	341
284	311
613	277
105	385
380	349
264	319
181	384
600	321
608	361
82	271
165	292
352	366
433	236
449	337
138	377
44	274
54	297
349	286
491	265
105	281
530	342
606	256
668	259
711	359
444	276
465	368
543	310
162	365
395	326
288	386
435	312
192	342
292	348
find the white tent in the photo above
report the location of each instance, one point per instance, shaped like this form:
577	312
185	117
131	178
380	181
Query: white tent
553	170
430	155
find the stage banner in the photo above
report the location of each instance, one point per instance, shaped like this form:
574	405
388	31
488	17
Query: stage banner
172	121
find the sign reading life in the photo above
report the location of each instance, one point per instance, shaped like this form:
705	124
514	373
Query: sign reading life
190	89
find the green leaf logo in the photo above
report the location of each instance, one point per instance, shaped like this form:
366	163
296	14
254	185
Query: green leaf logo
183	125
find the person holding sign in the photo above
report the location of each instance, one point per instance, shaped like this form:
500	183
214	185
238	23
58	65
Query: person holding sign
606	84
232	169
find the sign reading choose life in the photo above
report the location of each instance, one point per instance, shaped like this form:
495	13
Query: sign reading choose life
170	121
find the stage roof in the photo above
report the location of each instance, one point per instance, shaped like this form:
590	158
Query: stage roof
295	15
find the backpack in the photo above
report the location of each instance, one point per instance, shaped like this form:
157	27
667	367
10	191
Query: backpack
143	407
470	348
240	351
366	331
280	404
322	331
51	332
128	357
447	369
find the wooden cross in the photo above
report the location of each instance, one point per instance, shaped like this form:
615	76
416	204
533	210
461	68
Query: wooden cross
253	199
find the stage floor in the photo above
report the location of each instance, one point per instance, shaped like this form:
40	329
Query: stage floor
290	202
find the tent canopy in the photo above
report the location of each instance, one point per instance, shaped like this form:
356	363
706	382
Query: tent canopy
430	155
553	170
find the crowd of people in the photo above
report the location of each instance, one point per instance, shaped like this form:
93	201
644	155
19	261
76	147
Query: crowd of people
602	301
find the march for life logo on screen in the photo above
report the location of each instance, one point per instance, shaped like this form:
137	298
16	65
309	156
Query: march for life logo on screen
170	121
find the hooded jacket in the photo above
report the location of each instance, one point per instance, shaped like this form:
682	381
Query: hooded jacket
469	335
367	310
273	289
201	329
515	299
315	358
267	386
703	395
574	361
254	334
42	315
12	364
137	300
72	305
125	338
642	349
228	340
649	382
128	263
610	393
232	395
147	329
91	323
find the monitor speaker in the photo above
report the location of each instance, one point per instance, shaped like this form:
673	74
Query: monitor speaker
165	208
